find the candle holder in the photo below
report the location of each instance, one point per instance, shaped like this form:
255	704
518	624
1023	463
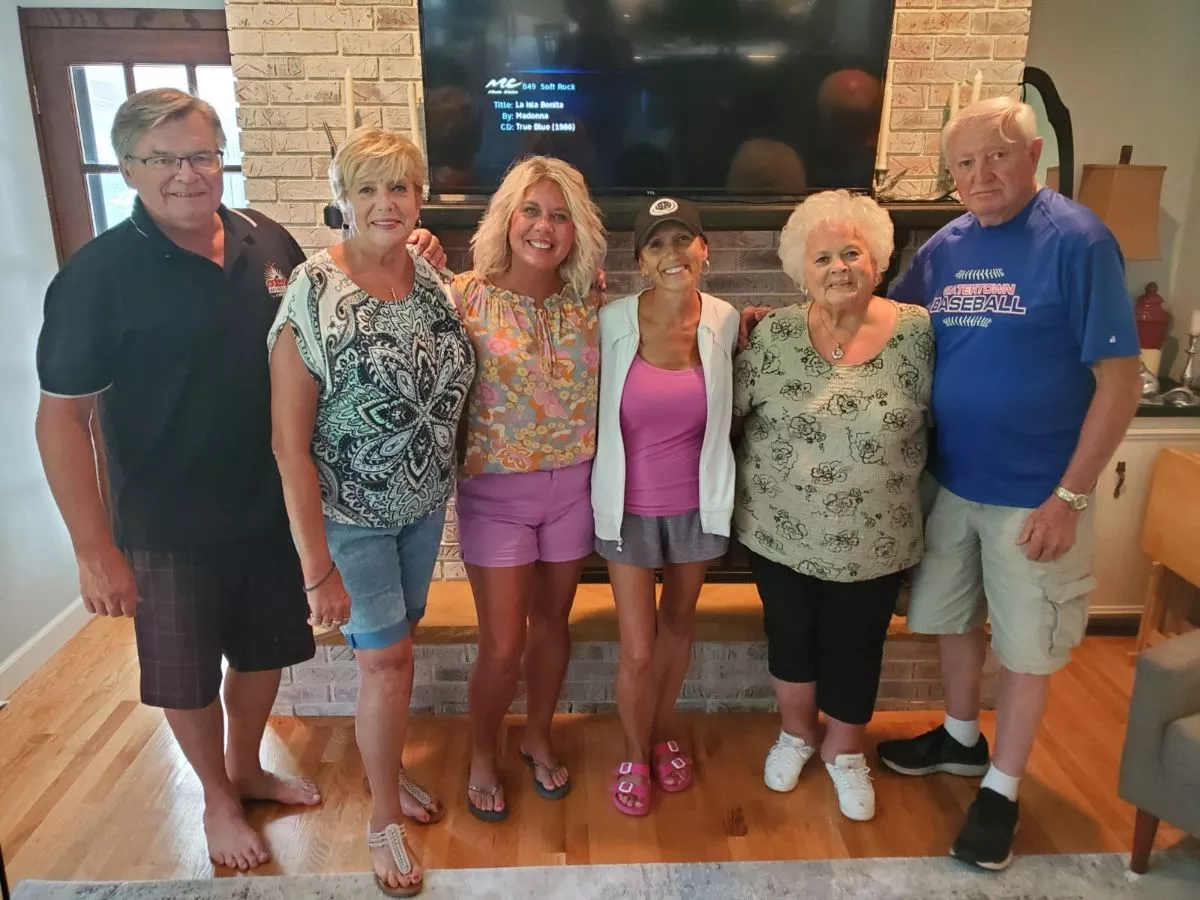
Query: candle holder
885	186
1184	395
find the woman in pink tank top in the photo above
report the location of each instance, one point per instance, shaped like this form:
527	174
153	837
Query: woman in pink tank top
662	482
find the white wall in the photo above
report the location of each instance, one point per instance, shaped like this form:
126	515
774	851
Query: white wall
1129	73
39	589
38	581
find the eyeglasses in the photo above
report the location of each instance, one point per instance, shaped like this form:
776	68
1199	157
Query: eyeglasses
206	162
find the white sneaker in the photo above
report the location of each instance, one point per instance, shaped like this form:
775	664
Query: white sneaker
852	779
785	759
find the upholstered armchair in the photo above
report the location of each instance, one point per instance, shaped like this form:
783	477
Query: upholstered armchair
1160	765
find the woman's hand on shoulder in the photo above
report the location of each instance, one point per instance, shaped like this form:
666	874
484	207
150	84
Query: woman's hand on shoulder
600	288
750	317
429	247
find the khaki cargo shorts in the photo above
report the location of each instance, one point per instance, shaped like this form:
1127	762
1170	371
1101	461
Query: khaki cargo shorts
974	572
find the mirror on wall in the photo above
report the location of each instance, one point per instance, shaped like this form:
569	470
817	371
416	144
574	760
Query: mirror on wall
1057	165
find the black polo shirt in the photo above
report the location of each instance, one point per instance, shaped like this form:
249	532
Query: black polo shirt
175	348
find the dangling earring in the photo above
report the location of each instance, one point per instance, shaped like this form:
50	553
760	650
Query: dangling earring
705	268
418	225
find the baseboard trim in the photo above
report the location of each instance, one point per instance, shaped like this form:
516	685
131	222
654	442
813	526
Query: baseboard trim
36	651
1115	623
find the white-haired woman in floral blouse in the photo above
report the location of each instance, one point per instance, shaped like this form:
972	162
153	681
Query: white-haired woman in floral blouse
833	395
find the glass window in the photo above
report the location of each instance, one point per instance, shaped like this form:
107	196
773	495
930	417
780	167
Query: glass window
99	90
215	84
111	199
146	77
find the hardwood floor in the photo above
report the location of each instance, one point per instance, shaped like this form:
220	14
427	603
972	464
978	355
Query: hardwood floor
92	785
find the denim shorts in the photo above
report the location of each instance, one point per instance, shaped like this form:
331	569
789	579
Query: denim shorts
387	572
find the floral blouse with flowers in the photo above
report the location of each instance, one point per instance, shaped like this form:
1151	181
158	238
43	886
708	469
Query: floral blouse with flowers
532	406
831	457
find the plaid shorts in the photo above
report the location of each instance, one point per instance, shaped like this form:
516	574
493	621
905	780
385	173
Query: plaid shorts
242	600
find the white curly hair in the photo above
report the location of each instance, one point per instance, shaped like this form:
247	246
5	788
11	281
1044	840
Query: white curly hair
836	208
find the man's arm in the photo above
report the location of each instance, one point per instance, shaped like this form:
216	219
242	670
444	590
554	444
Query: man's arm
1049	531
70	461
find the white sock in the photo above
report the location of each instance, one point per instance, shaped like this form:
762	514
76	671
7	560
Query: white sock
964	731
1002	784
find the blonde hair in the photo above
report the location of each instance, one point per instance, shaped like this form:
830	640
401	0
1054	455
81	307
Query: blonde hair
491	254
146	110
1016	121
836	208
372	154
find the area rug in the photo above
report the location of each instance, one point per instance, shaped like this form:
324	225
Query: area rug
1173	876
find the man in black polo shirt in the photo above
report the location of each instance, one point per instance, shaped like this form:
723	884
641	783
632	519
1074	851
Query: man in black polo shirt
159	325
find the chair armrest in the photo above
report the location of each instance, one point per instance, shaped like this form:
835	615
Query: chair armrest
1166	688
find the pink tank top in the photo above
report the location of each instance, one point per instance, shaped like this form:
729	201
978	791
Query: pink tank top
663	413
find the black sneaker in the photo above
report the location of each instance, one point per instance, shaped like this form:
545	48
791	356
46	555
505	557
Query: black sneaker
935	751
986	838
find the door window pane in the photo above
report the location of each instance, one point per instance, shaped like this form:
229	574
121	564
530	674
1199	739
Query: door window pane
99	90
215	84
147	76
235	190
111	200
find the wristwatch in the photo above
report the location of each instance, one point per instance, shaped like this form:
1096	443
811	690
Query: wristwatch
1077	502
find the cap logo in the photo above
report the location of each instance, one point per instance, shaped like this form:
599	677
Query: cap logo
664	207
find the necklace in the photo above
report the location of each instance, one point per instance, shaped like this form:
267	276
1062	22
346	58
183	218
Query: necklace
838	352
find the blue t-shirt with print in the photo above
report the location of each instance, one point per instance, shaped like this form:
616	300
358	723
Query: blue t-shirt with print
1020	311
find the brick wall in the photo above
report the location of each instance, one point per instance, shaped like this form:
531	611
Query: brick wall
724	677
290	59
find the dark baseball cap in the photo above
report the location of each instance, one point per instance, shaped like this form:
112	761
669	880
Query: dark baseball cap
660	210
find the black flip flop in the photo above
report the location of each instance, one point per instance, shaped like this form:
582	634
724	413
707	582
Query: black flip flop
542	791
486	815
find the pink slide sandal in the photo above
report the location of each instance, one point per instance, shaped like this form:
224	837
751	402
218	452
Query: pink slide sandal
669	760
639	791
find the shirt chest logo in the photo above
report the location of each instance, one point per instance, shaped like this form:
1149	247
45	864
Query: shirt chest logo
975	296
275	281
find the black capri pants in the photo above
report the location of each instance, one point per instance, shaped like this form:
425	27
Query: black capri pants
830	632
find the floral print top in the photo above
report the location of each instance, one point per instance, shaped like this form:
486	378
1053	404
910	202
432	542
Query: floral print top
393	377
532	406
831	457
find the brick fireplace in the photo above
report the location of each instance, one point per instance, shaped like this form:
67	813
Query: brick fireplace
290	59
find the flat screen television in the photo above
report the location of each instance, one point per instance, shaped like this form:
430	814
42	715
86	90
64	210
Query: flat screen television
706	98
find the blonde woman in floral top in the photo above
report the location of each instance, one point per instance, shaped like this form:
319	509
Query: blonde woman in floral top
524	506
834	395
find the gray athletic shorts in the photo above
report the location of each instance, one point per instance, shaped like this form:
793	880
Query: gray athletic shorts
649	541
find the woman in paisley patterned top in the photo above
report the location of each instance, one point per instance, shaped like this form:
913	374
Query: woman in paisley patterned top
370	369
524	506
834	393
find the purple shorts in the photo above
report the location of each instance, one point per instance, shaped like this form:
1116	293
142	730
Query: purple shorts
522	517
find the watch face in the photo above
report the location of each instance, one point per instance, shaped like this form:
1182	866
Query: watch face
1080	501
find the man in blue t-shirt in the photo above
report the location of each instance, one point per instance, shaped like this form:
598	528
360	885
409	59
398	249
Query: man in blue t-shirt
1035	383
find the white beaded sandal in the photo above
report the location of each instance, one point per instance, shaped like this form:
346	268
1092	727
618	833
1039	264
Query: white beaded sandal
392	837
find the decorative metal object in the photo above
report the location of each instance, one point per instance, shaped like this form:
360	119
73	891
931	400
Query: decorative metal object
1184	395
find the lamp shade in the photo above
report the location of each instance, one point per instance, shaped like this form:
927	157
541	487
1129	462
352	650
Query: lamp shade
1126	198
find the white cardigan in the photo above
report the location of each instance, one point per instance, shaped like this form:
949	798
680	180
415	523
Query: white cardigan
620	337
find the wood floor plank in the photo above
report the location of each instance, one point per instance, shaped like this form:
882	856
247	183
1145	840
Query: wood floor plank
95	787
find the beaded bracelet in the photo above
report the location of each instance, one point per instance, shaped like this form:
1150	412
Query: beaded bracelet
310	588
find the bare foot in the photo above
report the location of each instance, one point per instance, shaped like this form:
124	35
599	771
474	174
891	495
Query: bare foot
549	771
417	803
387	869
483	775
263	785
231	841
